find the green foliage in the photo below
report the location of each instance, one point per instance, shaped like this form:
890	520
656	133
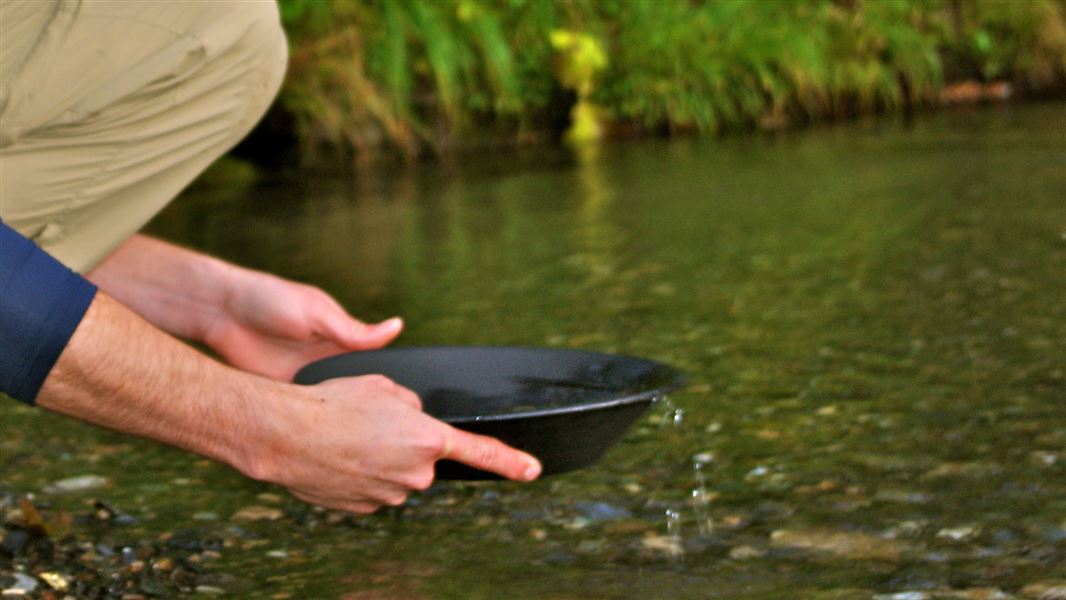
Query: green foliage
417	74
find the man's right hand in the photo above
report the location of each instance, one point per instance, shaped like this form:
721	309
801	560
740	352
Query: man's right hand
354	444
359	443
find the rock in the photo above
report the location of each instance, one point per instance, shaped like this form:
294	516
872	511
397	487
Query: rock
904	596
601	511
974	92
860	546
80	483
670	545
205	516
1044	458
757	472
278	554
973	594
210	590
24	585
902	497
968	470
576	524
703	458
1046	590
269	498
746	552
154	587
257	513
15	540
959	534
55	581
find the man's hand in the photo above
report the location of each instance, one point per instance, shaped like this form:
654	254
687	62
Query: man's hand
257	322
353	444
272	327
359	443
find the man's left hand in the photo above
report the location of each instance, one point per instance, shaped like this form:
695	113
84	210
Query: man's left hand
257	322
273	327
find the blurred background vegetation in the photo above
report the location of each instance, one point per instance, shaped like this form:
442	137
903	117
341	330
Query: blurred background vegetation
426	76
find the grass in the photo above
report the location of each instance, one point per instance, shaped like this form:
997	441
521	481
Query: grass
419	76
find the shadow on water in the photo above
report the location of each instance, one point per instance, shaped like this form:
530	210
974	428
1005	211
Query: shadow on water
872	318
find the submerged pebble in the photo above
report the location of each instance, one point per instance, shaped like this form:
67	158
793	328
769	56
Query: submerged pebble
56	581
666	544
959	534
746	553
601	511
860	546
77	484
24	584
1045	590
257	513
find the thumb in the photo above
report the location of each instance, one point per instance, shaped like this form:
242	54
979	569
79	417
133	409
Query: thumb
355	335
490	454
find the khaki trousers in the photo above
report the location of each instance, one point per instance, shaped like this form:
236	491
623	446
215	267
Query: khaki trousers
109	108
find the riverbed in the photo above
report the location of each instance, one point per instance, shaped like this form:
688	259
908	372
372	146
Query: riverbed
872	317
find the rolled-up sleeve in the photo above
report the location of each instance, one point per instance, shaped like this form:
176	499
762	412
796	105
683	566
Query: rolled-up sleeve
41	304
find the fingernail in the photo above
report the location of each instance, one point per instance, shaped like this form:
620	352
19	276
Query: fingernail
532	471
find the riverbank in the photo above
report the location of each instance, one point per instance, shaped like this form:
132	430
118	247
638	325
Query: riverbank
426	77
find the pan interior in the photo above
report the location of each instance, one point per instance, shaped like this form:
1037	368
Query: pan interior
475	383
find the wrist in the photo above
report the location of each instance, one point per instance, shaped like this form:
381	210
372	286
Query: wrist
262	418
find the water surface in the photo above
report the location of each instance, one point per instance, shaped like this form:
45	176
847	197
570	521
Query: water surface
872	317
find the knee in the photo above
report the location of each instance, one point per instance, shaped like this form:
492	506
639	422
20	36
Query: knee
263	42
260	54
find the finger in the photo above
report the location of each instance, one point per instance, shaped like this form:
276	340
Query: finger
354	335
489	454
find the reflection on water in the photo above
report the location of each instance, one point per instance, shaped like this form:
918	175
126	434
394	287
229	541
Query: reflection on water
871	316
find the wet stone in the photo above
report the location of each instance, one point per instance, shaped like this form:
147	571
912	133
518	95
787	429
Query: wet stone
959	534
22	584
664	544
601	511
902	497
128	555
966	470
257	513
746	553
1045	590
77	484
56	581
15	540
854	545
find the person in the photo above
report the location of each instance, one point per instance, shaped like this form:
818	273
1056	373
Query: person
107	110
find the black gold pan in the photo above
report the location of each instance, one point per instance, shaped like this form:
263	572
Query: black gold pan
566	407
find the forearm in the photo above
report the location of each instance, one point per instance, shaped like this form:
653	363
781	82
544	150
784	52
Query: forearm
177	290
120	372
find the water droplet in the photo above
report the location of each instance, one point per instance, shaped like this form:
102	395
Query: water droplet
673	533
669	414
700	498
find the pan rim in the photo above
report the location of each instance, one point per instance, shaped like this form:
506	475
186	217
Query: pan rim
674	380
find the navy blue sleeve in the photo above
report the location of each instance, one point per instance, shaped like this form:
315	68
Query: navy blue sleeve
41	304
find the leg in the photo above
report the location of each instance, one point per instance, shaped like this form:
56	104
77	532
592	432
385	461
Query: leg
118	105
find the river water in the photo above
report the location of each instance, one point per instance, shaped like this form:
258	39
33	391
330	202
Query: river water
872	317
